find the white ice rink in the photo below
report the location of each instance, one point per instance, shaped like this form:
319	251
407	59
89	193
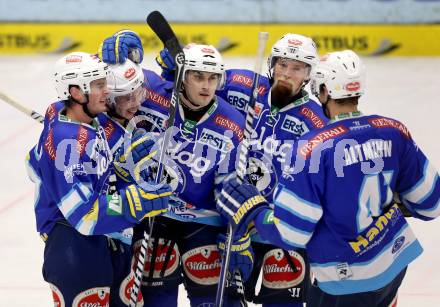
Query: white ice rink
407	89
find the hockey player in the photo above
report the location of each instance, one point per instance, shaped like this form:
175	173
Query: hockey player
339	205
284	113
71	167
206	134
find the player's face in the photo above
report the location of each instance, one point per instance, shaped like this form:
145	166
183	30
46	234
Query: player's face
290	74
200	87
127	105
98	96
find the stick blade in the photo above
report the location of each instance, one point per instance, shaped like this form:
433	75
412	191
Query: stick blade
162	29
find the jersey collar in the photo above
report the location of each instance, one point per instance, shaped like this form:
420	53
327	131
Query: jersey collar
348	115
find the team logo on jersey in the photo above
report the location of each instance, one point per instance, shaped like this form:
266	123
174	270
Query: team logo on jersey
261	173
125	290
238	100
58	299
278	273
294	125
215	140
101	153
202	264
99	297
398	244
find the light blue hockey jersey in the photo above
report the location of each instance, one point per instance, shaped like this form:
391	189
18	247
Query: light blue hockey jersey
201	155
337	204
70	166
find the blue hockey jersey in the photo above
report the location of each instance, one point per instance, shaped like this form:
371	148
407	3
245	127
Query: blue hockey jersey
338	202
201	155
70	166
275	130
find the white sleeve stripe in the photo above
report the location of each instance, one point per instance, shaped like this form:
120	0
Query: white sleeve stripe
230	199
432	212
298	206
225	208
74	199
424	187
85	227
292	235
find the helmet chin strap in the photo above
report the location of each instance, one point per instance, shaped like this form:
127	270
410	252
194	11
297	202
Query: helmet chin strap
84	106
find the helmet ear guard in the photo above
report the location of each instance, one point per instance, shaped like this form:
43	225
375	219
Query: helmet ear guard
77	69
342	73
204	58
124	79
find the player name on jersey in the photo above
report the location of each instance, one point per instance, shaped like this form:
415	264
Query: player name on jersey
369	150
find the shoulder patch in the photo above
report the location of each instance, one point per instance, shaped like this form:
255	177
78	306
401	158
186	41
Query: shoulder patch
49	145
158	99
316	121
227	123
382	122
82	140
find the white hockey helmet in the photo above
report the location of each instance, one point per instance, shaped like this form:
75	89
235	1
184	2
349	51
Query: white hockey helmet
204	58
342	73
77	68
124	79
295	47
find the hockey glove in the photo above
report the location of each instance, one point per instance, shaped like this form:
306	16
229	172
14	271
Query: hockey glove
122	45
166	62
239	204
133	161
242	257
139	203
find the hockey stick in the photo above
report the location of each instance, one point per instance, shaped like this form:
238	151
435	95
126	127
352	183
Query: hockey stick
15	104
242	159
162	29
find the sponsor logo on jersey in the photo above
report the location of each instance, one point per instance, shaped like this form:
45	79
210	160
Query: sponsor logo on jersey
50	146
129	73
158	99
216	140
307	149
248	82
57	296
229	124
202	264
382	122
238	100
74	170
156	118
343	270
398	244
95	297
353	86
294	125
51	112
82	140
125	291
278	273
317	121
376	231
109	128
